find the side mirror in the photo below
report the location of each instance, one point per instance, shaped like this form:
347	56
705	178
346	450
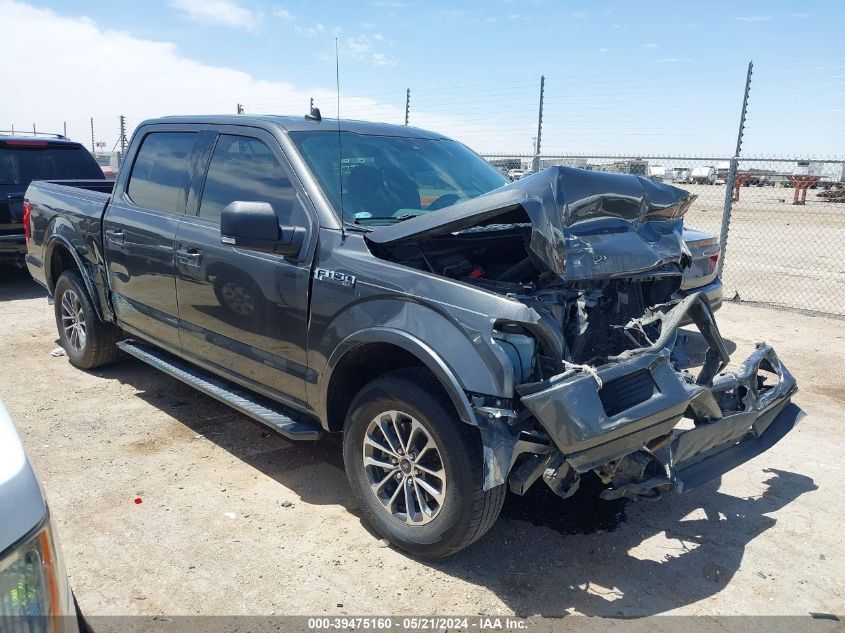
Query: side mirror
254	225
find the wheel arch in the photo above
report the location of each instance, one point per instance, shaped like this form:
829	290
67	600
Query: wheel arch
381	350
60	256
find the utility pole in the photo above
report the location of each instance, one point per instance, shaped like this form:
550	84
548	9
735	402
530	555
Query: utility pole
535	164
407	104
240	109
64	129
92	135
729	185
34	133
122	138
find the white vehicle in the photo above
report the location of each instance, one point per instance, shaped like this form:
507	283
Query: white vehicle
657	172
34	591
703	175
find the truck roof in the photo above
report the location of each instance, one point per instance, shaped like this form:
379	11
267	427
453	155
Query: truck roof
35	140
301	124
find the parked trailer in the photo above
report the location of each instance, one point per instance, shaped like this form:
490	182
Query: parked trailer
703	175
657	172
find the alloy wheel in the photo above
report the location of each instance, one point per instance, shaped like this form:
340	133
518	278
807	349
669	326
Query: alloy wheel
73	320
404	467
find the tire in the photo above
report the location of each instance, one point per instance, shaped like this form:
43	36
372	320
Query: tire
95	344
465	510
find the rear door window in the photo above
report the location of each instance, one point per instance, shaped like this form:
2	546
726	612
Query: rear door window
245	169
162	171
21	164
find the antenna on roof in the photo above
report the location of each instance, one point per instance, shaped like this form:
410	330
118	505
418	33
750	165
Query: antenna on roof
339	148
313	113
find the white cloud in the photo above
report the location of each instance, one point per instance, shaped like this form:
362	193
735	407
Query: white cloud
754	18
218	12
283	14
315	29
603	50
651	45
366	48
143	78
135	77
310	30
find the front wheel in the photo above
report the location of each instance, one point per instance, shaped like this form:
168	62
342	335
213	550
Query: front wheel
87	341
415	468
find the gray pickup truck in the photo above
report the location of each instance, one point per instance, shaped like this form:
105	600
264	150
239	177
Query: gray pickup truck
467	335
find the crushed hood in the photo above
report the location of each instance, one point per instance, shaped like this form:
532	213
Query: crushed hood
585	224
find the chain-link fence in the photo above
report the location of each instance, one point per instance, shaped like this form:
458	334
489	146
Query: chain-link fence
776	252
786	222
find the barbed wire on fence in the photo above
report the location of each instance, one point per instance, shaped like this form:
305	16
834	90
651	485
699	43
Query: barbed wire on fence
660	125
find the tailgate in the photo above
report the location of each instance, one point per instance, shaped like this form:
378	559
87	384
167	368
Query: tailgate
11	210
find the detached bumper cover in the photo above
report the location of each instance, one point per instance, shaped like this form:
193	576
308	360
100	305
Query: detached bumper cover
622	418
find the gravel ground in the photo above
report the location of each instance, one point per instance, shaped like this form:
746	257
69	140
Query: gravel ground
237	520
778	253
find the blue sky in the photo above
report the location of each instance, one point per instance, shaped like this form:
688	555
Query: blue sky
633	77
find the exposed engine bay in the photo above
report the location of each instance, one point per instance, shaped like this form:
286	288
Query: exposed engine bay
583	321
601	373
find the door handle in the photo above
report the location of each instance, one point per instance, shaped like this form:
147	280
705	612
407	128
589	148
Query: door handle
189	256
115	235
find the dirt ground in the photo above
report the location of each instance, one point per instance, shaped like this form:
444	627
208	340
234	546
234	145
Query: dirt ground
237	520
777	252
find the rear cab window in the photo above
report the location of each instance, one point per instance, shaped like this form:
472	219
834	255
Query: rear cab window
21	162
162	170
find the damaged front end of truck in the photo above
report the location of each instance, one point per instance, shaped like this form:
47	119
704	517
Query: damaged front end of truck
602	376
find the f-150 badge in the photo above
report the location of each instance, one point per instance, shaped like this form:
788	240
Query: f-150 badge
322	274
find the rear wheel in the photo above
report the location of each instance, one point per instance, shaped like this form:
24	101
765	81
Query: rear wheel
87	341
415	468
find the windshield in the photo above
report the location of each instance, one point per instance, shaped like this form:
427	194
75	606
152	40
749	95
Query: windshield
389	178
20	165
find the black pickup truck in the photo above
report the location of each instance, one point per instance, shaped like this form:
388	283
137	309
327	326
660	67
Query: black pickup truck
22	160
464	333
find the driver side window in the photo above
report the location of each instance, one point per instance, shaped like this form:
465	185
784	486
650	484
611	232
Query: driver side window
245	169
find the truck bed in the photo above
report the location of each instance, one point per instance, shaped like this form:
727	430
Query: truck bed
67	213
